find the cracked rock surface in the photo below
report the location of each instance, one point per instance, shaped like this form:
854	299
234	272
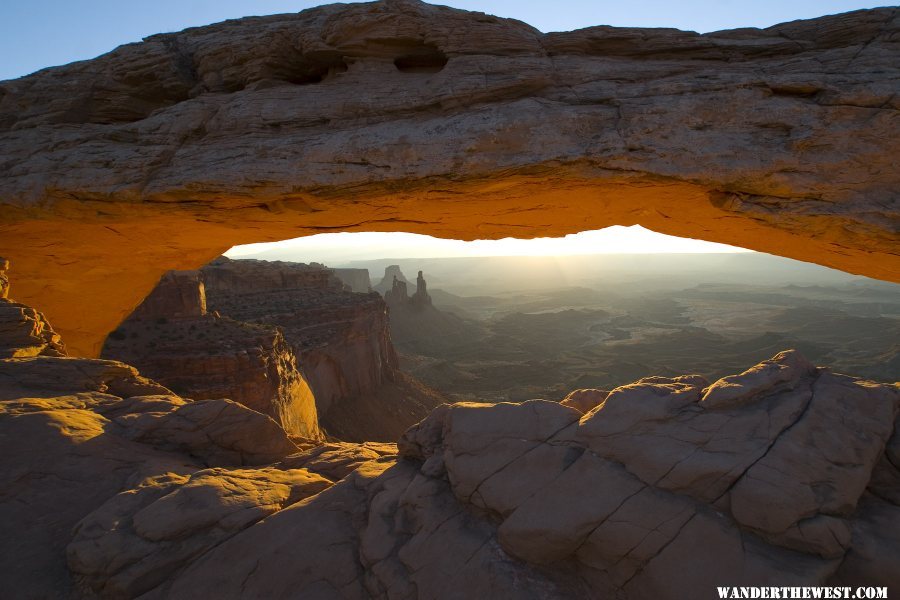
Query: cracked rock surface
667	485
113	487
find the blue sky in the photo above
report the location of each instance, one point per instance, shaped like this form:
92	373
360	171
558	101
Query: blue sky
40	33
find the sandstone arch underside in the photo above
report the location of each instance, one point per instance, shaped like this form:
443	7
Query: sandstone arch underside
402	116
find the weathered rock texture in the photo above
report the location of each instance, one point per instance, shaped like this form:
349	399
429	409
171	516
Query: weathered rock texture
342	341
399	115
172	339
111	483
776	476
782	475
25	332
4	278
341	338
178	294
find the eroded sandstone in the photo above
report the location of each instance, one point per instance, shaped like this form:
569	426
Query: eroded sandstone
538	500
404	116
786	474
111	483
341	339
174	340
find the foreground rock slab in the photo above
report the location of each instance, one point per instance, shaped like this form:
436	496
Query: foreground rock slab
665	486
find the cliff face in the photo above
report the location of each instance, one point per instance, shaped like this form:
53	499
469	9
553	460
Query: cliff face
223	277
286	339
342	341
88	443
171	338
405	116
341	338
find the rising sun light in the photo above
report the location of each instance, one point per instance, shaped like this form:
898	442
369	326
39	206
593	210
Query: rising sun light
340	247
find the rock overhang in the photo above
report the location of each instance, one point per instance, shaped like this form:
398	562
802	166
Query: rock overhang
403	116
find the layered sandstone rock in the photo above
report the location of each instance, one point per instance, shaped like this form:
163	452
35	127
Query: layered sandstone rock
663	487
400	115
341	339
4	278
178	294
111	483
26	332
172	339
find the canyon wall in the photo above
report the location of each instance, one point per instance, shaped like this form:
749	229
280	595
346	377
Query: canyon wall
342	341
172	339
286	339
404	116
341	338
87	441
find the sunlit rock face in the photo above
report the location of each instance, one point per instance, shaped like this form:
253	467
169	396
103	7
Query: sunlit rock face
341	339
200	355
399	115
111	483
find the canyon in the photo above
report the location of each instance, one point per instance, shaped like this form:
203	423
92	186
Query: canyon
174	340
518	328
285	339
161	155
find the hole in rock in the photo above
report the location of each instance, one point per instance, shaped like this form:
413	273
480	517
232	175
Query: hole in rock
307	68
317	73
383	327
425	59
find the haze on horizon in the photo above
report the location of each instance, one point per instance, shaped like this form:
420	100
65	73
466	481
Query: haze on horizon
340	248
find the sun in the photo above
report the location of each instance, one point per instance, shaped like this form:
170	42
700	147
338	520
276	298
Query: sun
342	247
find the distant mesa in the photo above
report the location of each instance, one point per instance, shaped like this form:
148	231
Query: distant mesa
398	298
387	282
356	279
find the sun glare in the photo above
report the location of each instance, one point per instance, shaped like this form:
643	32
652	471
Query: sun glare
335	247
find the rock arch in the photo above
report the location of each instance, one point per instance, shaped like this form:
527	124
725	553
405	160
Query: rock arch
403	116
